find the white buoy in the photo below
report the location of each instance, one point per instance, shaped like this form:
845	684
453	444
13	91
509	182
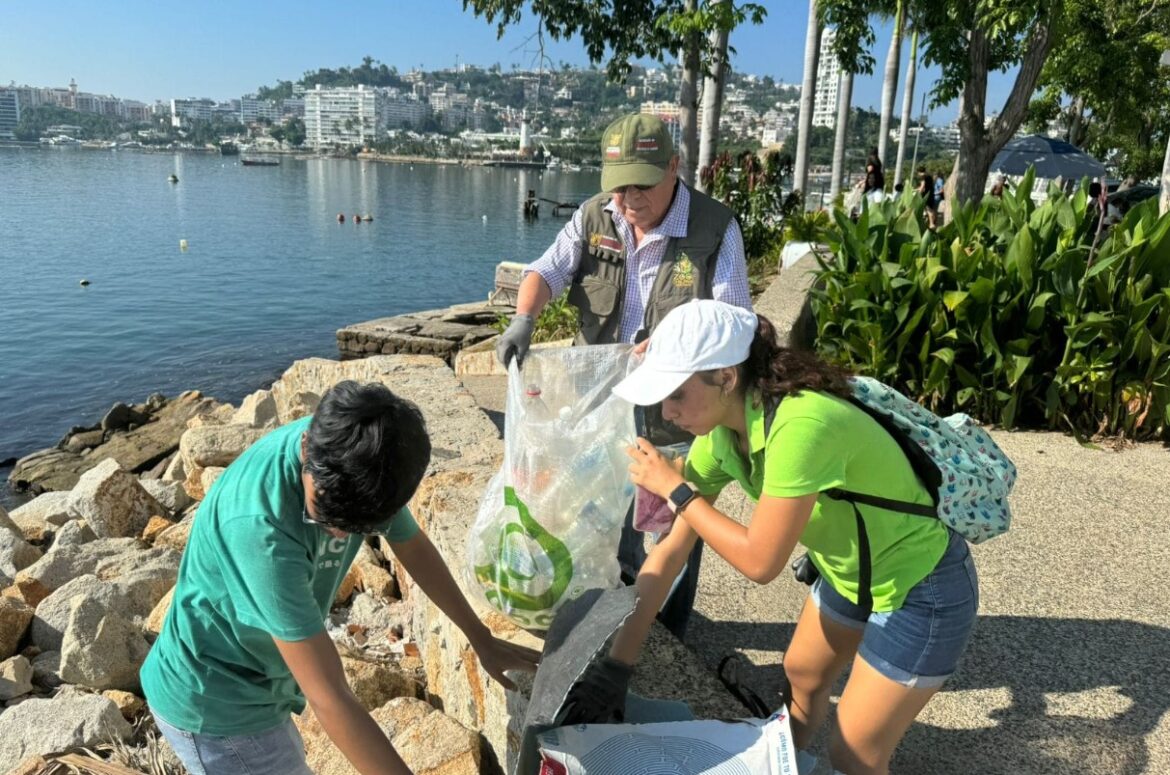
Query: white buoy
183	245
485	218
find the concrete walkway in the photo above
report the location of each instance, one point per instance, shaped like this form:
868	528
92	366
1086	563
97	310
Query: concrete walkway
1068	670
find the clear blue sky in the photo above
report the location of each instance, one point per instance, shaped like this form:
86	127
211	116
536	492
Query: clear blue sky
158	50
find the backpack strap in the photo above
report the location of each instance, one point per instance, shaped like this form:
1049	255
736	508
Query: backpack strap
728	674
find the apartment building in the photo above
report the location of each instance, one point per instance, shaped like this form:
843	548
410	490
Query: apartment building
9	112
828	82
253	109
343	116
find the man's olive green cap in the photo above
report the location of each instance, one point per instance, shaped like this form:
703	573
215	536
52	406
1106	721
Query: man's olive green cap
635	151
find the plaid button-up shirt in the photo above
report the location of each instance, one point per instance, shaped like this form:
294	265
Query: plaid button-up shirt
559	263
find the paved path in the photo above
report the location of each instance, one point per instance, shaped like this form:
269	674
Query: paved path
1068	670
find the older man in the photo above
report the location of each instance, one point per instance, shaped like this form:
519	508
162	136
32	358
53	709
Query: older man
631	254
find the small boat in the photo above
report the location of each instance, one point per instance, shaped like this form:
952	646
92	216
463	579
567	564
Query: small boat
260	162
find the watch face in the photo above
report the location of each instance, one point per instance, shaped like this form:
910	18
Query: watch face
682	495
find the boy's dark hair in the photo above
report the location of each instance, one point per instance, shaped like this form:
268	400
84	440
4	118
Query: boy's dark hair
366	449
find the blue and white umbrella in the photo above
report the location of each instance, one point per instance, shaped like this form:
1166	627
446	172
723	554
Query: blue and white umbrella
1052	158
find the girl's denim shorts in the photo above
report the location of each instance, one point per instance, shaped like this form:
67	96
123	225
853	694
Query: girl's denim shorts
920	644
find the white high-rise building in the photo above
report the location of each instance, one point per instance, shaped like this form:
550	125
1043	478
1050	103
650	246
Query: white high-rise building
252	109
828	82
346	116
9	112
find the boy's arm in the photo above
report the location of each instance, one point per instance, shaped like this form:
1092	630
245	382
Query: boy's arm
425	565
316	667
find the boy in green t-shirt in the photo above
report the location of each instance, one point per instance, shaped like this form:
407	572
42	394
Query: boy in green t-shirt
244	643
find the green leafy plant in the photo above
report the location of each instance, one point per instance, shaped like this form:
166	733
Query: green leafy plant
807	226
558	320
1006	312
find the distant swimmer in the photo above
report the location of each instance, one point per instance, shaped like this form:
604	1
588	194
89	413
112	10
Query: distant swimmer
357	219
341	217
173	178
367	218
84	282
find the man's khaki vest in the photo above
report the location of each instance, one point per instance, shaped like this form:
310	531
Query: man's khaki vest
686	273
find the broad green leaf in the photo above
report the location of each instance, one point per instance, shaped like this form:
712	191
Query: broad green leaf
954	298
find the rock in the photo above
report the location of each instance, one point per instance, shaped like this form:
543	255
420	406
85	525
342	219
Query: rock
257	411
208	477
52	615
112	501
15	617
137	450
85	440
216	445
175	537
170	494
158	614
16	675
34	529
120	417
143	577
155	526
176	470
16	554
73	533
101	650
51	507
375	684
47	669
378	619
348	584
58	566
6	522
193	484
130	705
155	402
41	726
430	742
377	580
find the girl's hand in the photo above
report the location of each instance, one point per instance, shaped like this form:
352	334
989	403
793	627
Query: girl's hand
652	471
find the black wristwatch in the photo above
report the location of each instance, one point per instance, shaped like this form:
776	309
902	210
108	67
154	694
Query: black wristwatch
682	496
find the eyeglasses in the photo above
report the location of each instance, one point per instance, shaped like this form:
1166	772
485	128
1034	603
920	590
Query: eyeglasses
325	525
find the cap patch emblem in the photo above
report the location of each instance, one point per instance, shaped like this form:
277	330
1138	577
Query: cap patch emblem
646	144
613	152
615	138
683	274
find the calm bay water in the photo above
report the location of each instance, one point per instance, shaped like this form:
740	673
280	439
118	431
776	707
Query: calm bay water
268	278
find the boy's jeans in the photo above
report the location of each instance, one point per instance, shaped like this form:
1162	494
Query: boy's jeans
276	751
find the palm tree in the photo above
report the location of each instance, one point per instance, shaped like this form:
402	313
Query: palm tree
688	103
712	101
812	50
907	107
890	81
844	103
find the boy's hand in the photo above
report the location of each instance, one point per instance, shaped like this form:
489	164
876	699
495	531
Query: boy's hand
498	655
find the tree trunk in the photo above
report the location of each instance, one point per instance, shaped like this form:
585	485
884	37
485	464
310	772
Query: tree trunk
907	108
844	102
712	103
890	82
1076	122
978	146
1164	205
688	106
812	51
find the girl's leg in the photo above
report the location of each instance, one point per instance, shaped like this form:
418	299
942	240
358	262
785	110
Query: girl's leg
820	649
872	717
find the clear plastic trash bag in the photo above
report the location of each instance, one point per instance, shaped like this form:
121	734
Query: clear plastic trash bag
550	521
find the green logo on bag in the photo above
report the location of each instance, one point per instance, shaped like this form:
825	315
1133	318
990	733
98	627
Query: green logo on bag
514	568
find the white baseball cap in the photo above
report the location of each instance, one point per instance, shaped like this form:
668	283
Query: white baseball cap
699	336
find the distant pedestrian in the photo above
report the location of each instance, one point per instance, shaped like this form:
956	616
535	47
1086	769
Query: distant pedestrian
925	189
997	188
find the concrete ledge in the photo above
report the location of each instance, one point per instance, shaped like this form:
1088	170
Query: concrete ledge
479	360
440	332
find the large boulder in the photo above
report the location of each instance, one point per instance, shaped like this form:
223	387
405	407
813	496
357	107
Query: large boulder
112	501
75	532
39	726
15	616
257	411
430	742
52	615
376	683
143	578
216	445
51	507
175	537
59	565
137	450
170	494
101	650
16	554
158	614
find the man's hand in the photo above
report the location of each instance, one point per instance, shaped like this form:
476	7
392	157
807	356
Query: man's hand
515	340
498	655
599	696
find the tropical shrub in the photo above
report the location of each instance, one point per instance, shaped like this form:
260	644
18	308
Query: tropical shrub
558	320
1011	312
751	187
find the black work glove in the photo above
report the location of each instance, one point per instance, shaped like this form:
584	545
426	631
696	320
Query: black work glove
515	340
599	695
